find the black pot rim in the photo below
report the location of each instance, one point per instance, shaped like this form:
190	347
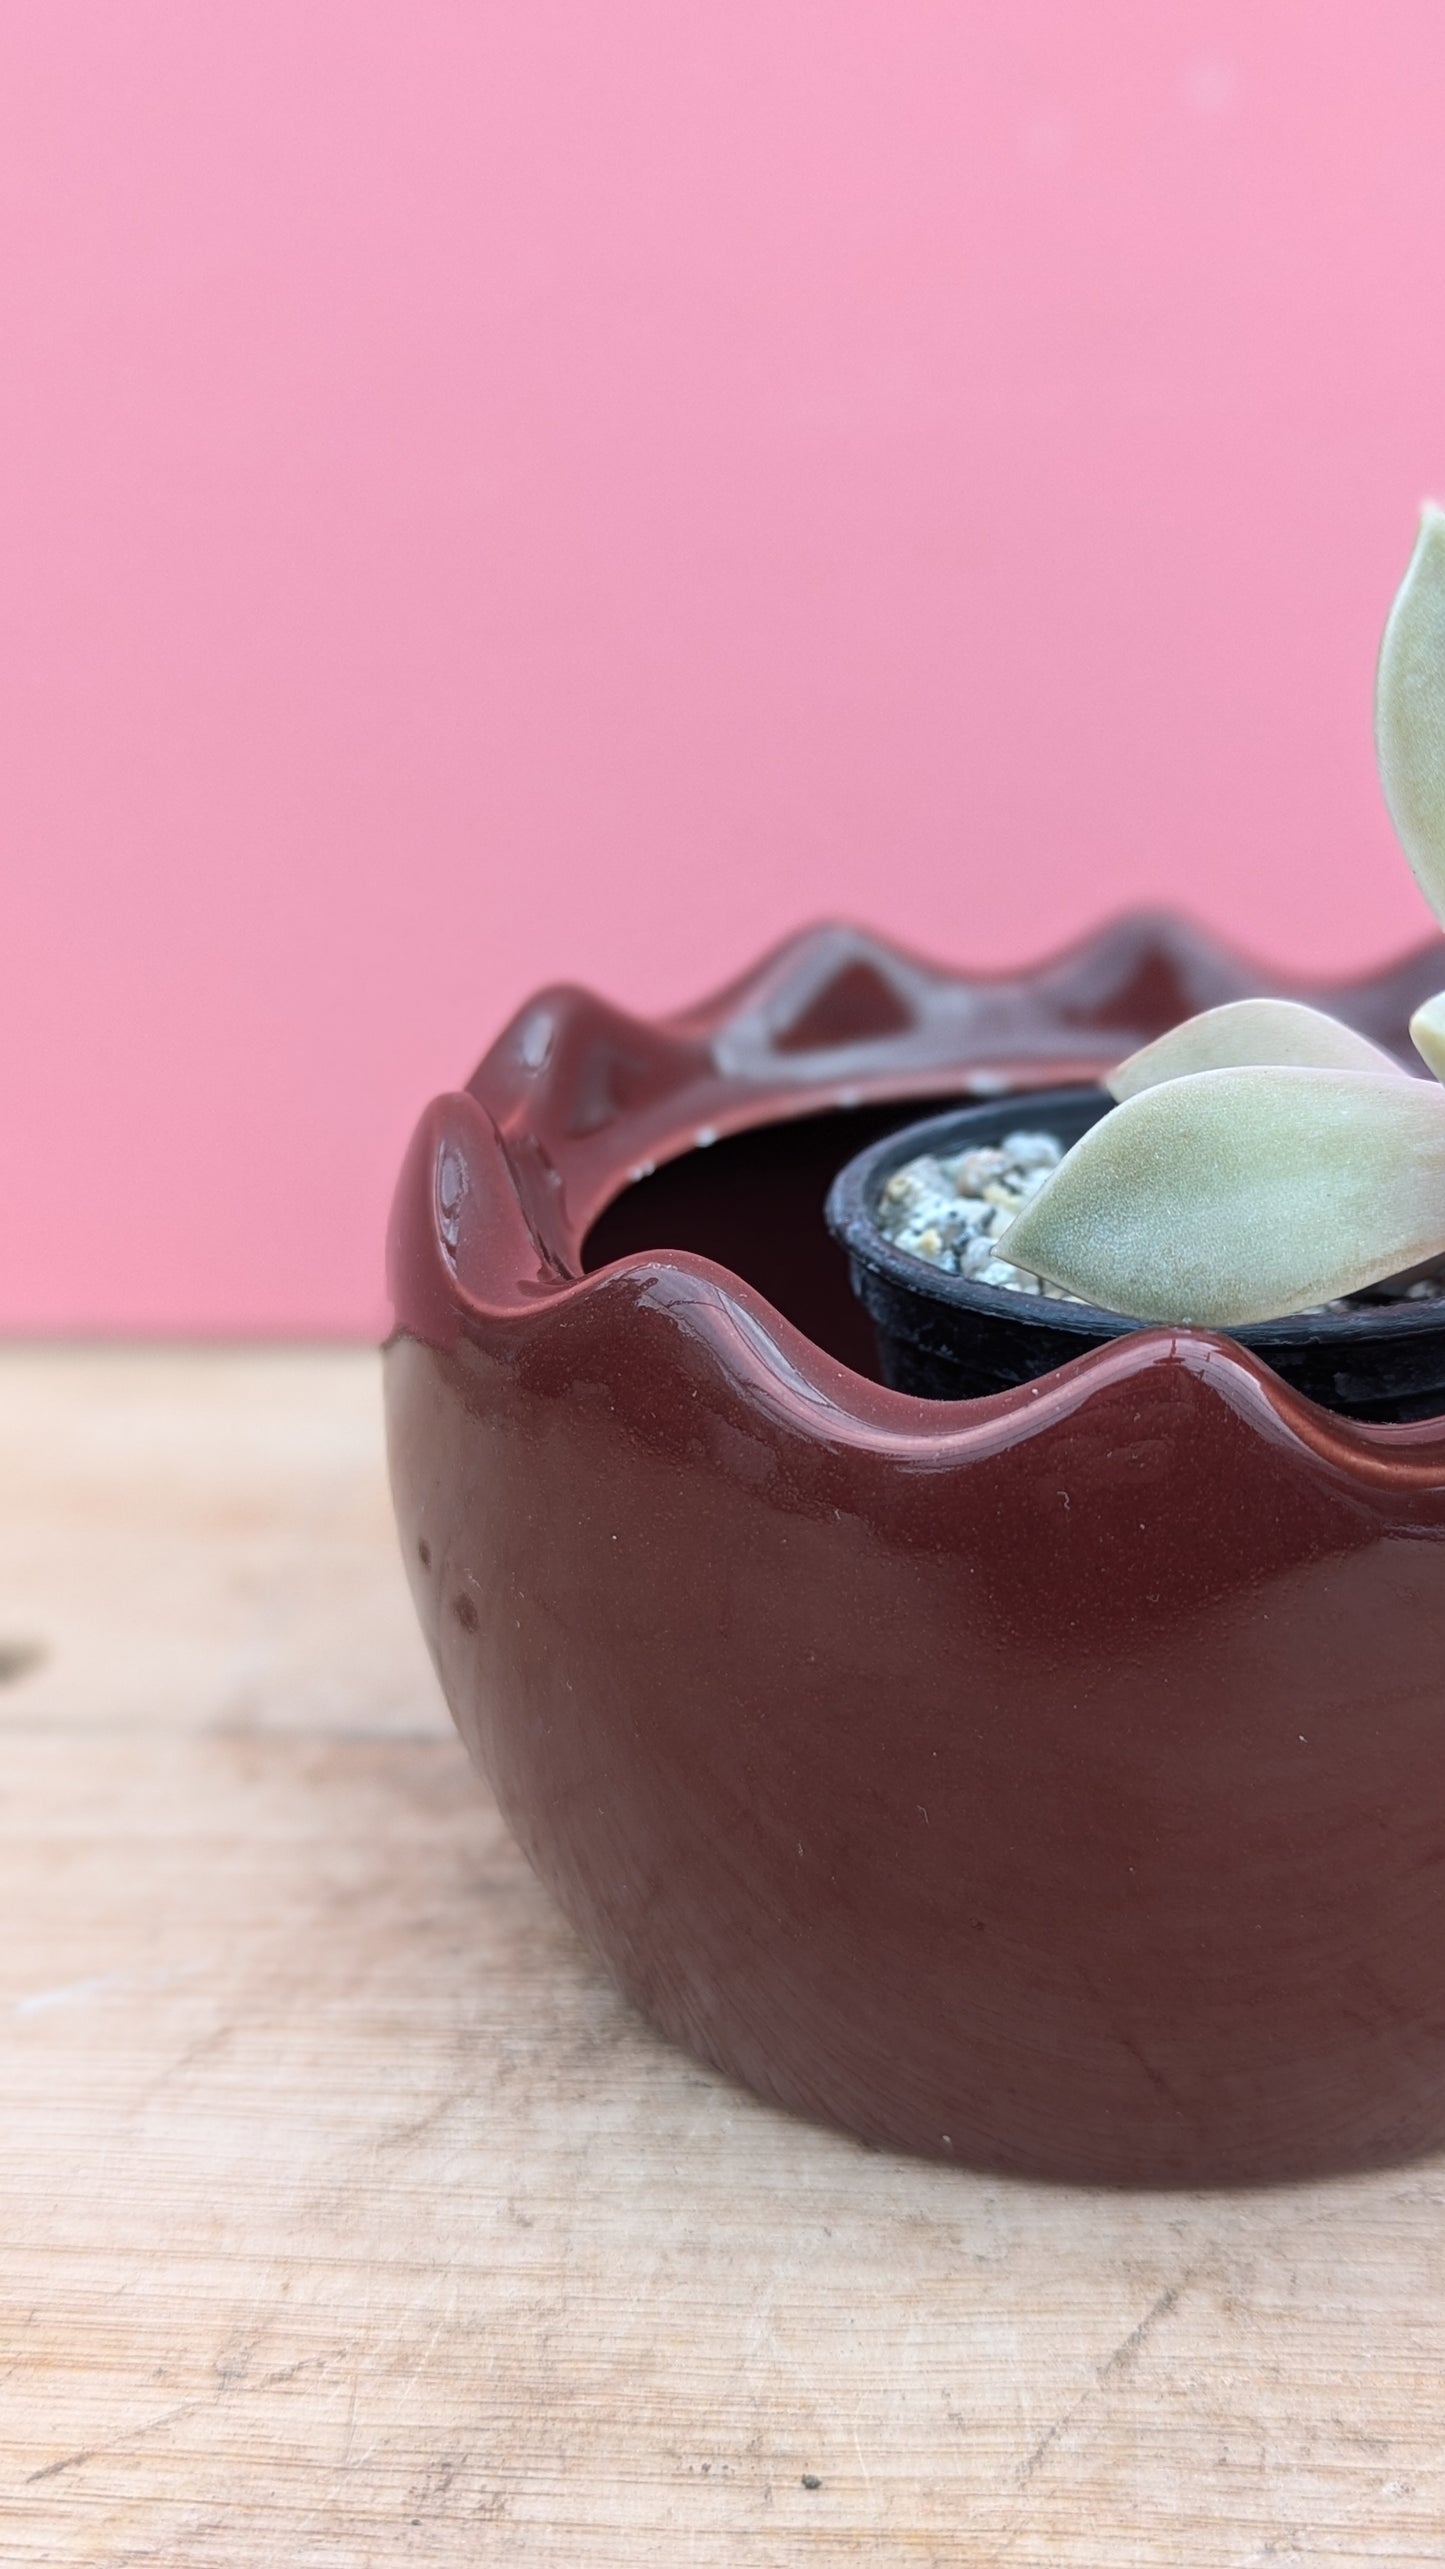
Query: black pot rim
851	1214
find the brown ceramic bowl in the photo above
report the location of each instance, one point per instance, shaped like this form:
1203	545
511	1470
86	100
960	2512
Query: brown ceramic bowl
1053	1781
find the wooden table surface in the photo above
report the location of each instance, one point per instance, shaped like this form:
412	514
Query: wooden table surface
350	2218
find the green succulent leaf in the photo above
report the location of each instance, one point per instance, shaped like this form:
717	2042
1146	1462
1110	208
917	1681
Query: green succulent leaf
1251	1032
1243	1194
1410	709
1427	1033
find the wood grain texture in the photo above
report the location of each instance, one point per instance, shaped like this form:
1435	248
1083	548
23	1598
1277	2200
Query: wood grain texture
350	2218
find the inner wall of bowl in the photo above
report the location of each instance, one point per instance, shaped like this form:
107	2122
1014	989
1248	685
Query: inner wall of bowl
754	1203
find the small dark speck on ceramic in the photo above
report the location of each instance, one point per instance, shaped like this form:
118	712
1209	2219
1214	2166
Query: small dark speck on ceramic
18	1659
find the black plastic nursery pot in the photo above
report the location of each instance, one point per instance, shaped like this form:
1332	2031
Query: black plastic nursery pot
947	1338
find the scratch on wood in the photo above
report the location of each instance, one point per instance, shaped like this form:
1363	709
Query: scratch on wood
1122	2356
227	2381
52	2470
201	2049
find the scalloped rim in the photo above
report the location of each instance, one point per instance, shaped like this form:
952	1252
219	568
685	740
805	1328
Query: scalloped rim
576	1099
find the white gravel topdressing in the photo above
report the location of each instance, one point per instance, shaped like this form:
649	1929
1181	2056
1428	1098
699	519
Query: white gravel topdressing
950	1212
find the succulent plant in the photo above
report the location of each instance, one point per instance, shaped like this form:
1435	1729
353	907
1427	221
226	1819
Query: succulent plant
1263	1159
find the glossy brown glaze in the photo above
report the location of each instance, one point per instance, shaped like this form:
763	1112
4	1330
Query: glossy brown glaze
1052	1782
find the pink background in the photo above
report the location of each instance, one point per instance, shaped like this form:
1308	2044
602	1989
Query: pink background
502	490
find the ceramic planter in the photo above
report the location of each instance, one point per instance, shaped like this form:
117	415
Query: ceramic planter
1049	1782
951	1339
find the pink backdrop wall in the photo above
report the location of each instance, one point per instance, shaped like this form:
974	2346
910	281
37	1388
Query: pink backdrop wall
510	489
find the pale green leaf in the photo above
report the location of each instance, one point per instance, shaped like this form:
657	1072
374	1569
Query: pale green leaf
1410	709
1250	1032
1427	1033
1238	1195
